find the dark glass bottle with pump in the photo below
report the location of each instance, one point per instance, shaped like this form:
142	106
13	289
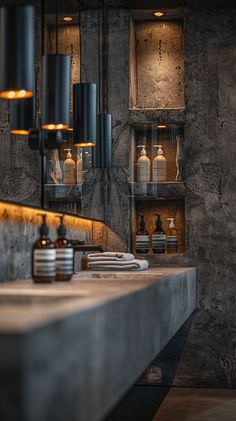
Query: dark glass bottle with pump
64	255
43	256
142	238
159	237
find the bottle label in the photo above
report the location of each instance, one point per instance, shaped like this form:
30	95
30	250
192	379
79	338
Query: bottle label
65	261
44	262
142	243
172	242
159	242
69	176
143	171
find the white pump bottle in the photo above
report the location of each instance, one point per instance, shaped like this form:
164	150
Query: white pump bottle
143	166
159	166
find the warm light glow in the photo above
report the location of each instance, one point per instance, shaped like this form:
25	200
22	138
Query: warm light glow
20	132
84	144
55	126
161	126
67	18
21	94
70	129
159	14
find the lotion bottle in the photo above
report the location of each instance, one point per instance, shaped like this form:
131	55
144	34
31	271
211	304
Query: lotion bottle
69	168
159	166
64	255
171	238
79	168
43	256
159	237
142	238
143	166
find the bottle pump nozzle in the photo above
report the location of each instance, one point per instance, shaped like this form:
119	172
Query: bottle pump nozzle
68	154
61	230
143	150
159	150
172	224
43	230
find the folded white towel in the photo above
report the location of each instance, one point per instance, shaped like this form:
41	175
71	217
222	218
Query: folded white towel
134	264
110	256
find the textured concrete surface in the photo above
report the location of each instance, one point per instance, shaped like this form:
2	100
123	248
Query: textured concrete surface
62	352
159	64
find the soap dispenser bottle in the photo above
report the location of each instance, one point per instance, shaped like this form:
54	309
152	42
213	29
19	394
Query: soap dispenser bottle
171	238
43	256
143	166
159	237
159	166
142	238
79	168
69	168
64	254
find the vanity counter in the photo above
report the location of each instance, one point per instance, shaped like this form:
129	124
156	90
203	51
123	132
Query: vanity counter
71	350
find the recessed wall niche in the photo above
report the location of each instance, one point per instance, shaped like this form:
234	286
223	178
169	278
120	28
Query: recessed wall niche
156	61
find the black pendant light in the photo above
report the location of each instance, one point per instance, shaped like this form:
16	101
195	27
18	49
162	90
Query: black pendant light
102	157
84	109
17	52
22	116
84	112
56	88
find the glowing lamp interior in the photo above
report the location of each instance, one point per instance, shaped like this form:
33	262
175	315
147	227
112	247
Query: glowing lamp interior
84	144
20	132
55	126
21	94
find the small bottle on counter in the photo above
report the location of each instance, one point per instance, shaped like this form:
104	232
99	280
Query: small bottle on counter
171	238
64	254
69	168
43	256
159	166
159	237
143	166
142	238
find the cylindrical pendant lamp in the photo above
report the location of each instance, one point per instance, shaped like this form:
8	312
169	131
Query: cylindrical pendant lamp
53	139
56	92
17	71
103	153
84	114
22	116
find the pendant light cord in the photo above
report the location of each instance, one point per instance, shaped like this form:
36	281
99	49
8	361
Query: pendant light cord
99	61
80	43
41	137
56	26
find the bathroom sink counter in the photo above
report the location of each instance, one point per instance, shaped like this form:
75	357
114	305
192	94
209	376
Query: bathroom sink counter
86	341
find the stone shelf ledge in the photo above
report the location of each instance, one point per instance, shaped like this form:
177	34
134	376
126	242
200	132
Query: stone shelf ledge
54	192
149	115
170	189
70	351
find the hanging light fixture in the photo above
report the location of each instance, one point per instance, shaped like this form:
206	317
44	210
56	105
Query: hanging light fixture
56	88
103	154
84	109
17	52
22	116
84	114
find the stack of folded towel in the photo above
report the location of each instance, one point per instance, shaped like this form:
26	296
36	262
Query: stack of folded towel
115	261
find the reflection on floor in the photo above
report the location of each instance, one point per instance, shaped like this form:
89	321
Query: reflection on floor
152	403
186	404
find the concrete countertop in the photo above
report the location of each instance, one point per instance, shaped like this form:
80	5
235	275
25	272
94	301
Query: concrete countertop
79	346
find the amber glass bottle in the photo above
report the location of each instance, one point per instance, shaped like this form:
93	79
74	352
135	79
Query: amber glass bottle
64	255
43	256
142	238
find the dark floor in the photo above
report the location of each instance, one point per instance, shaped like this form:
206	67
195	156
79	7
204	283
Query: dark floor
152	403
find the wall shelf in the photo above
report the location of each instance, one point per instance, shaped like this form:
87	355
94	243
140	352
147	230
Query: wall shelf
170	189
54	192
